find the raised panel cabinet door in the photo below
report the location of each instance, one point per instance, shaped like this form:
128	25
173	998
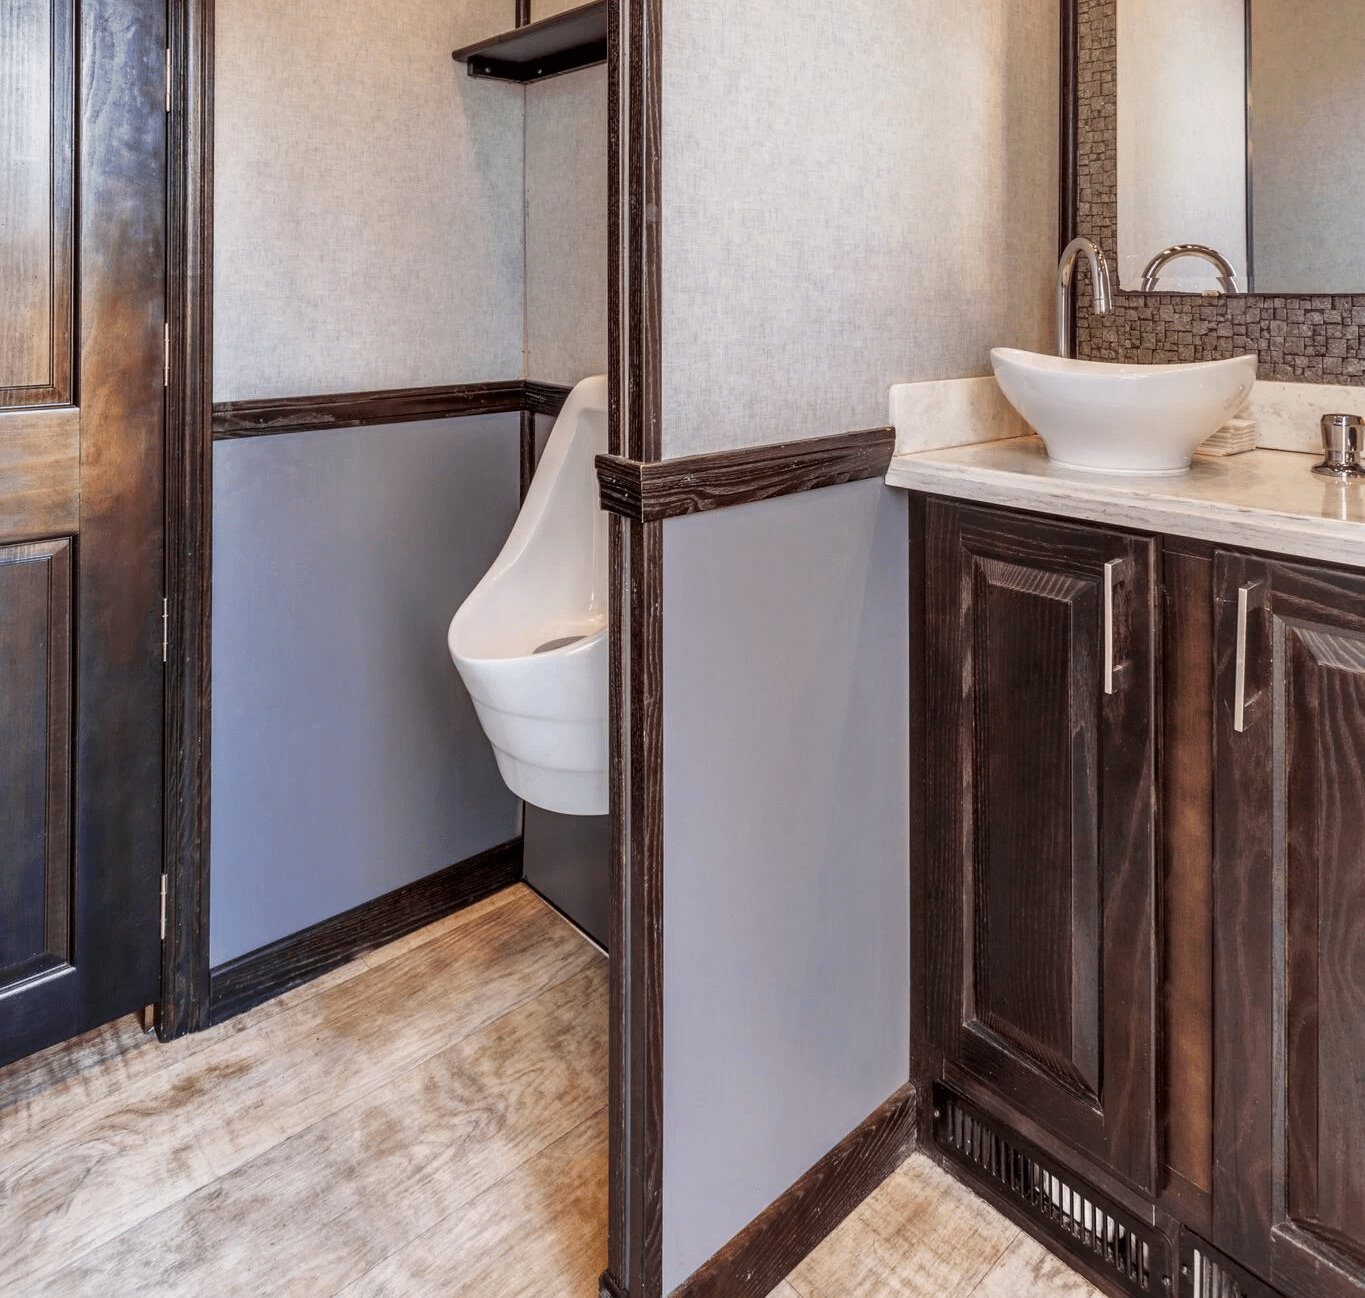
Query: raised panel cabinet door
1040	822
1289	924
82	311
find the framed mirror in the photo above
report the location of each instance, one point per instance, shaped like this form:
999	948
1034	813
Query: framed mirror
1241	132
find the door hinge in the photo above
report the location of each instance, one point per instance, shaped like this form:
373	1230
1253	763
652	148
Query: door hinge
166	358
168	78
165	629
163	907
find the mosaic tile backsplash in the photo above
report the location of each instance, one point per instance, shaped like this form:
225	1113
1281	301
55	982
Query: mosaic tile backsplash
1298	339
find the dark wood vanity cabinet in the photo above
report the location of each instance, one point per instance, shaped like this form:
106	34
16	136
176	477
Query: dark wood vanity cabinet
1289	923
1040	815
1140	893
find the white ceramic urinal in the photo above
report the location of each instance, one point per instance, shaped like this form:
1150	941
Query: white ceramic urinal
530	642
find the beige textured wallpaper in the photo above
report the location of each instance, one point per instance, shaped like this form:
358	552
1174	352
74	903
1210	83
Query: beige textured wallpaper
548	8
566	227
369	200
855	195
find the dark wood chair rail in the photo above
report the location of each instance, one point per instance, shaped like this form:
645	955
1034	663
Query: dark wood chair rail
269	416
648	492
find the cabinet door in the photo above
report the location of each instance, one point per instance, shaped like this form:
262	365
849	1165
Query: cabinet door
1289	907
1040	822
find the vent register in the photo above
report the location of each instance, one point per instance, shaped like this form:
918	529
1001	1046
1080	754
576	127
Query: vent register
1132	1254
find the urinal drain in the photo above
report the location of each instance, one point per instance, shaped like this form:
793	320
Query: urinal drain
557	644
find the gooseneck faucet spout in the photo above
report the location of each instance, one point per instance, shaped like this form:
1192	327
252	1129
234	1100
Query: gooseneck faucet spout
1227	277
1099	283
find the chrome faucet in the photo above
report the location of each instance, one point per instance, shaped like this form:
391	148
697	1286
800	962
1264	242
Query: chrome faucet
1099	283
1227	277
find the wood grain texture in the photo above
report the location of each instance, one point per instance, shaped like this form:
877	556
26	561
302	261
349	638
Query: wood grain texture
300	957
920	1235
1026	1267
1012	640
37	202
116	732
544	398
790	1228
1289	1190
634	429
1187	873
272	415
360	409
40	472
378	1173
566	41
93	1161
185	985
648	492
542	1229
36	884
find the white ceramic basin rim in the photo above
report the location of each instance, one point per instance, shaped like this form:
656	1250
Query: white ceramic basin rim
1122	418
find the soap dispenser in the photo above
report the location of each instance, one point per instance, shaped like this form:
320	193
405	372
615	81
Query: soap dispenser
1341	437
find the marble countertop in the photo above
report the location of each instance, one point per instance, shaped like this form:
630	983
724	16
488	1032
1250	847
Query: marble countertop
1262	500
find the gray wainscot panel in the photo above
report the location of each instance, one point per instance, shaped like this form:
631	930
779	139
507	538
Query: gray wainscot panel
786	787
347	759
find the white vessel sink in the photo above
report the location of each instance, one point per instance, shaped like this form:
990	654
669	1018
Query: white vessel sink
1122	418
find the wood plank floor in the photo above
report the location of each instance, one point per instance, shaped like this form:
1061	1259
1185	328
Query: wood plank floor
428	1120
921	1234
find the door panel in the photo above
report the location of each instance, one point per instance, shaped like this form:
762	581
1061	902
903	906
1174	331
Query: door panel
1041	823
1289	1187
36	115
35	784
88	474
1036	911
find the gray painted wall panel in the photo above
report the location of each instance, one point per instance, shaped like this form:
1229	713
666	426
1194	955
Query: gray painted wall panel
347	759
786	882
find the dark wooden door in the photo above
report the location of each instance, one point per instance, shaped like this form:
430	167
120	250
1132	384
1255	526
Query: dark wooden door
82	270
1040	822
1289	924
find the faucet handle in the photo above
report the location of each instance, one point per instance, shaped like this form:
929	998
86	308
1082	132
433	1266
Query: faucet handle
1341	440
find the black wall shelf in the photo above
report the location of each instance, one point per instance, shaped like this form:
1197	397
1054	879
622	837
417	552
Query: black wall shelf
566	42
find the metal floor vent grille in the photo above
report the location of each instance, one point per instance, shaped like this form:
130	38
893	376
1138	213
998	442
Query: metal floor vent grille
1207	1273
1083	1222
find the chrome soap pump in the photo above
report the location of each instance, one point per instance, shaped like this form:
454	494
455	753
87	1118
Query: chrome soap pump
1341	437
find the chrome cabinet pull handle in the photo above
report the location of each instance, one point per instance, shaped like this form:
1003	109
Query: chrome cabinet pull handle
1113	574
1248	598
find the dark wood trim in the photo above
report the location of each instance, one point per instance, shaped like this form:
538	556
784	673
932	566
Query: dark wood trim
634	368
1066	171
527	452
189	520
301	957
544	398
564	42
272	415
1067	164
767	1250
362	409
651	492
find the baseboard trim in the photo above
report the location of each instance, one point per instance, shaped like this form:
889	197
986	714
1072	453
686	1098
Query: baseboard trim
270	416
761	1256
259	975
647	492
